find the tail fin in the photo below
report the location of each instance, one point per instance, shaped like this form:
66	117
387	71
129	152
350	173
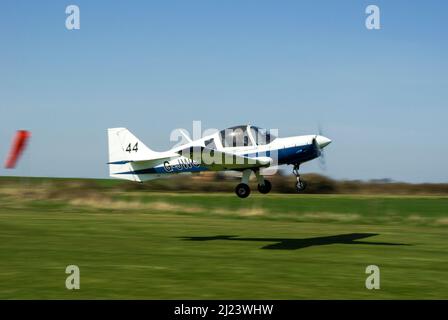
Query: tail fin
124	150
125	147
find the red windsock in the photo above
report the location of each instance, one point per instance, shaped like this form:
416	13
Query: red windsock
18	146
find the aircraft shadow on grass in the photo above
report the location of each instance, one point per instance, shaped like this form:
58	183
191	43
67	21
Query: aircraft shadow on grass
294	244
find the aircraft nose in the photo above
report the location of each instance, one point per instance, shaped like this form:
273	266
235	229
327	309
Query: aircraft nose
323	141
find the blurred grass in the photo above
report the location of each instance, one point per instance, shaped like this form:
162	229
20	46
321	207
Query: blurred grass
134	244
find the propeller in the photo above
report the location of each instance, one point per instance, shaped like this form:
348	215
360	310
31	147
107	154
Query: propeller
321	153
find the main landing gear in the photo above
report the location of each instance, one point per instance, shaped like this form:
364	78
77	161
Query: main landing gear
300	184
243	190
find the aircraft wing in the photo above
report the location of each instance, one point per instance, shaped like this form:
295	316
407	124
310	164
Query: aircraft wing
218	160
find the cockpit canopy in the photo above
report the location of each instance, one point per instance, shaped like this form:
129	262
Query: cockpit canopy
262	136
244	136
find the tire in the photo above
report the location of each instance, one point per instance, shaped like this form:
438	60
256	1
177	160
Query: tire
242	190
300	186
265	188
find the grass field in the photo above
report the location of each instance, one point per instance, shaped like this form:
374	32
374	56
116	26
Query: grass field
136	245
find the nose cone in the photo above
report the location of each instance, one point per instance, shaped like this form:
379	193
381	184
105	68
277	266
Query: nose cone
323	141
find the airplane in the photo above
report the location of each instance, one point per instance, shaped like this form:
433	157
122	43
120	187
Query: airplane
244	148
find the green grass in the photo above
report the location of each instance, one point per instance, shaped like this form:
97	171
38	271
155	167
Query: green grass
136	245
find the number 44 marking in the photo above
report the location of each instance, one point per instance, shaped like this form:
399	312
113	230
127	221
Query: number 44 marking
130	149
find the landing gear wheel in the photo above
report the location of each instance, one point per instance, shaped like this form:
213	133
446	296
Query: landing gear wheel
265	188
300	185
242	190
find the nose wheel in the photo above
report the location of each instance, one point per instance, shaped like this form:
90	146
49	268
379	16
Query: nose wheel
300	184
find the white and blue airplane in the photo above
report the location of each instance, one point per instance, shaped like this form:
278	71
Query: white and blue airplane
247	149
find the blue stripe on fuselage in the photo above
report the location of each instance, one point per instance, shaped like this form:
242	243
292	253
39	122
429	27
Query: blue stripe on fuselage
162	169
290	155
296	154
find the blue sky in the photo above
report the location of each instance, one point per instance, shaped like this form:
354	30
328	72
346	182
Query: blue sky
153	66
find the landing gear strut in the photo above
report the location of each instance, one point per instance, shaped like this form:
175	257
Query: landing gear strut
300	184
